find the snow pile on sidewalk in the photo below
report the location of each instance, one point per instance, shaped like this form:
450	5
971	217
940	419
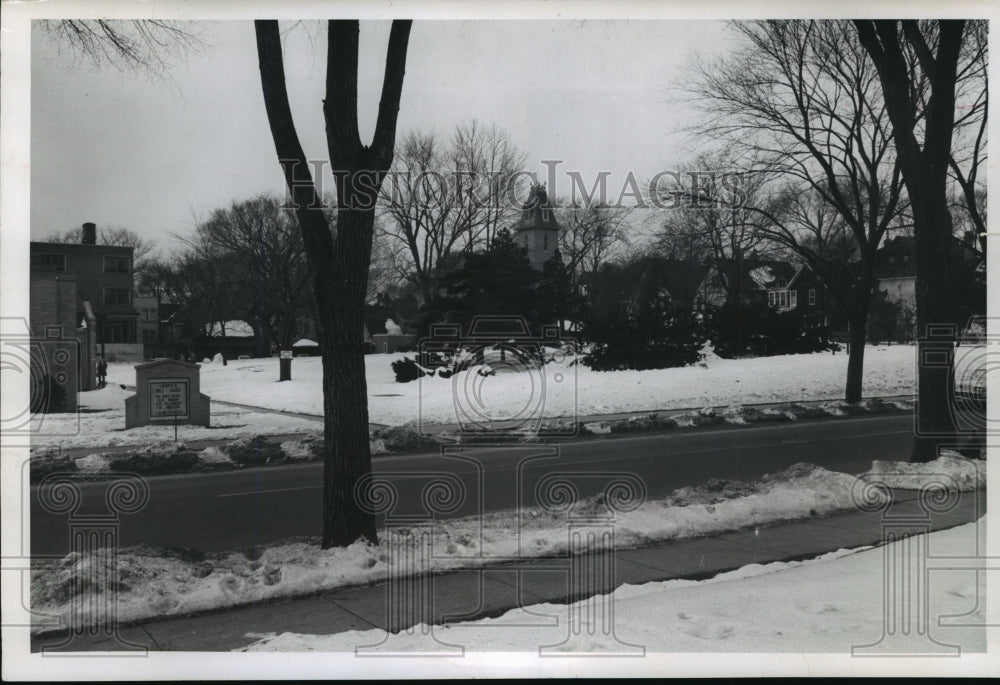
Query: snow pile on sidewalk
950	471
153	582
826	605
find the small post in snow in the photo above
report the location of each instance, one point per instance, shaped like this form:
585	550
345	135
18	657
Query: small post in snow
285	366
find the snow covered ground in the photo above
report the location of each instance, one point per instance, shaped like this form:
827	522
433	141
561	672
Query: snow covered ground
154	582
563	389
101	422
559	390
827	605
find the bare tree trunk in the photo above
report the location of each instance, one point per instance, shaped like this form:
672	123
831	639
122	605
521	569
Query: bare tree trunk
858	321
935	344
855	357
347	452
340	262
925	170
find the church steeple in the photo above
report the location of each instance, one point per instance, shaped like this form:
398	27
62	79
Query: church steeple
537	230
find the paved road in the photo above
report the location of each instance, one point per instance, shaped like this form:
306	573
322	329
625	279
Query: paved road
226	510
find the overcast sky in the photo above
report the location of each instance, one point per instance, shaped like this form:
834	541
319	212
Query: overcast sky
154	155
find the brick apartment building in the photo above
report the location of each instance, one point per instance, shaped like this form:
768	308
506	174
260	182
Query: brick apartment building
62	347
84	292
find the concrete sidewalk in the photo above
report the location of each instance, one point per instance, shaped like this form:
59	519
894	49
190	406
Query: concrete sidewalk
493	590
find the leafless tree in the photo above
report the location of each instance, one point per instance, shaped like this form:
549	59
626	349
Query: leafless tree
143	249
923	126
441	199
339	260
147	45
487	163
704	217
591	235
968	156
265	244
804	99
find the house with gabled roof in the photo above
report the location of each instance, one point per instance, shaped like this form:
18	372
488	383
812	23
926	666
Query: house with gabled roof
780	284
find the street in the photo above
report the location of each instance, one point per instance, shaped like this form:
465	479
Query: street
235	509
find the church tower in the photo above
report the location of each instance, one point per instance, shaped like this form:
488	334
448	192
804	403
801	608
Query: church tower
537	229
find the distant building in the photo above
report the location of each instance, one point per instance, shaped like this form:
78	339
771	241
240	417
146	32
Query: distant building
781	285
787	287
896	265
231	339
537	229
383	330
148	322
62	350
104	287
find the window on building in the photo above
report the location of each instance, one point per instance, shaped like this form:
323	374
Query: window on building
117	296
771	298
115	332
47	261
793	298
545	245
149	315
812	296
782	298
115	264
545	215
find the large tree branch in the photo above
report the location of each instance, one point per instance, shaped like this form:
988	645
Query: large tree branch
340	108
292	158
392	88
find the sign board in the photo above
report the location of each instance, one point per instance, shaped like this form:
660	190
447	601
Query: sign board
168	397
286	354
167	391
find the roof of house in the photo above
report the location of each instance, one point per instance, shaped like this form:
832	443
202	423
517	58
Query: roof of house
232	329
897	256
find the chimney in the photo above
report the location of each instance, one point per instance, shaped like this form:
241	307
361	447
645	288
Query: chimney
89	234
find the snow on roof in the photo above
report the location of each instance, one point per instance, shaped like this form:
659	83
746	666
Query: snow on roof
762	276
236	329
305	342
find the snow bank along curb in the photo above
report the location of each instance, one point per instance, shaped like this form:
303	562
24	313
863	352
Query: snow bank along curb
741	415
153	583
257	450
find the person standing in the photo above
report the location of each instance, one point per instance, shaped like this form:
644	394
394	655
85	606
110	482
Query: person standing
102	372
